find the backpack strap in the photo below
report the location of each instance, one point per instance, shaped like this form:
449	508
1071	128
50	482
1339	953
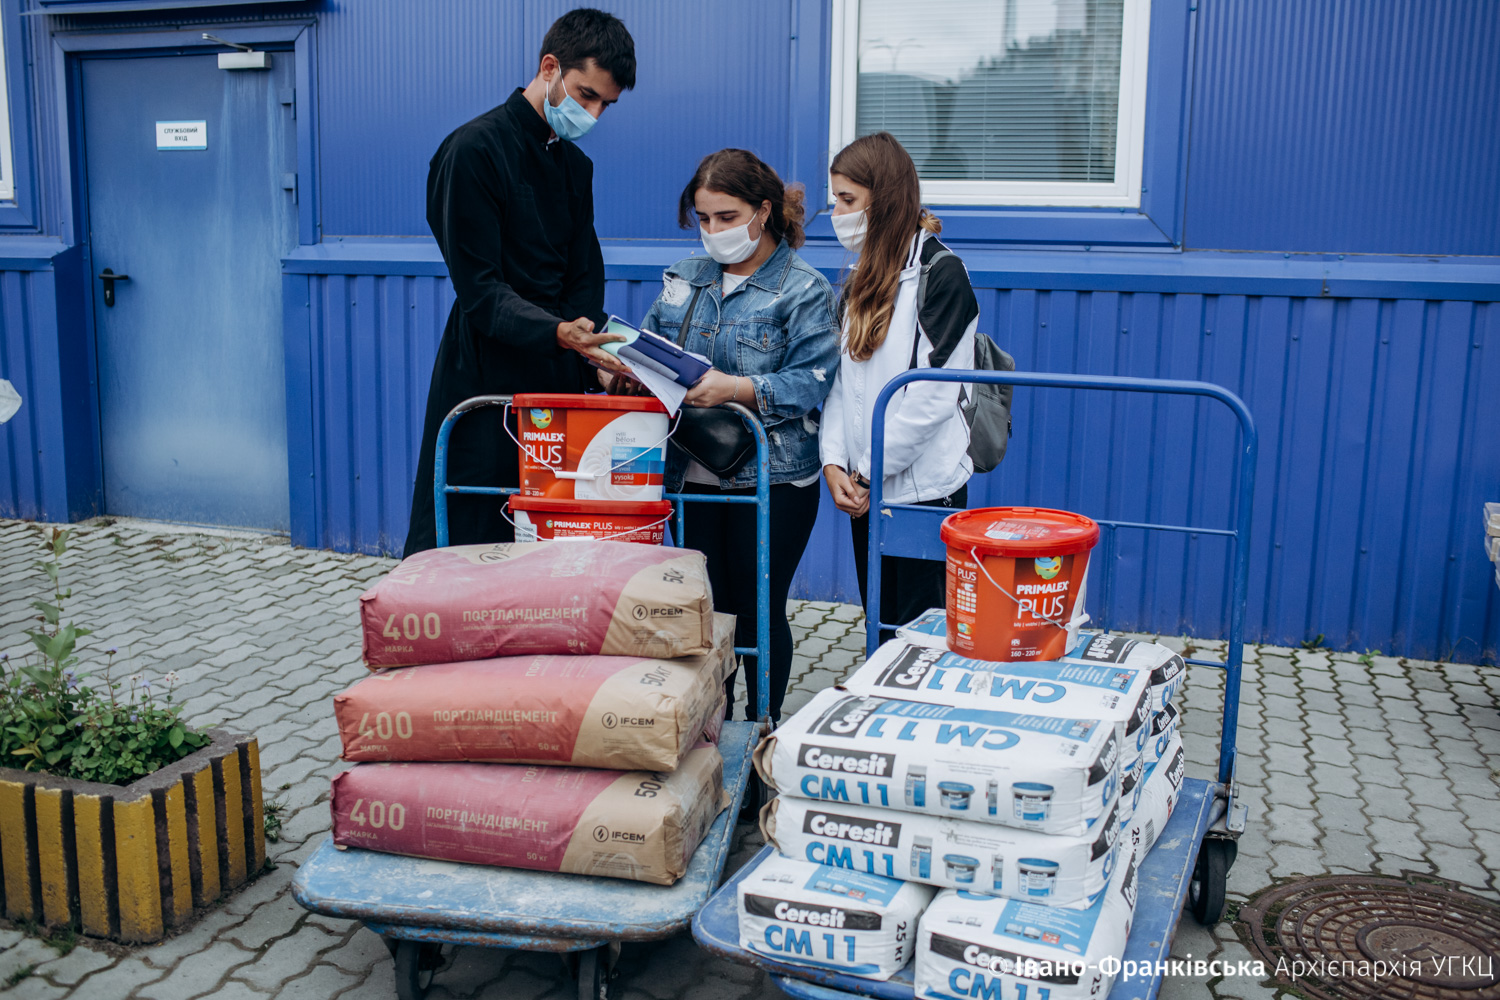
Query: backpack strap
921	300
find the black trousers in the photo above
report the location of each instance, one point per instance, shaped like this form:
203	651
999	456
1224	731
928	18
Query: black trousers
725	533
908	587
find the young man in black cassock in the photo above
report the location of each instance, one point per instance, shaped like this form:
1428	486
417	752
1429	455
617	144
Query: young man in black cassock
510	200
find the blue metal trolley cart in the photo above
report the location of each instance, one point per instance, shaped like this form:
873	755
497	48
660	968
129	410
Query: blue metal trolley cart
1192	855
418	906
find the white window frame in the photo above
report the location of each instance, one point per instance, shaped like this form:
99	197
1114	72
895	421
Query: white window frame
7	159
1124	192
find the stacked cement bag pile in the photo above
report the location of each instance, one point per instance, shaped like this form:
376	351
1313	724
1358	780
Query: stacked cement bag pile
550	706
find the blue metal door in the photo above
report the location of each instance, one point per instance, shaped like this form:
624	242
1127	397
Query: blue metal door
192	395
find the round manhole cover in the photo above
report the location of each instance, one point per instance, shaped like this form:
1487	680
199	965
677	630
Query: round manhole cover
1351	938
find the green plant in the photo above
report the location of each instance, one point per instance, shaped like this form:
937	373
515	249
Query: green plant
1316	643
62	940
273	811
1368	657
52	720
18	975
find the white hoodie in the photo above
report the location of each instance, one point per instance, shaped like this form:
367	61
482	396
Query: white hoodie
926	438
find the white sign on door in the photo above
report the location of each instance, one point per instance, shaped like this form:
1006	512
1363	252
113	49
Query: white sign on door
182	135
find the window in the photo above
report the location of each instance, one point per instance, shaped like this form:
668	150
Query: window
7	160
1000	102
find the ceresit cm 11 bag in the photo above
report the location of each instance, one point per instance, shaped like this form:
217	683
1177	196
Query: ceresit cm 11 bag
1026	771
1168	672
981	857
638	825
1157	798
807	914
624	713
1045	687
970	946
472	602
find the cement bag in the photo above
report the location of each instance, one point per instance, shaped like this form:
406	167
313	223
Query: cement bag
1041	687
1163	728
1167	669
472	602
1027	771
638	825
625	713
973	946
930	628
1158	798
713	722
807	914
982	857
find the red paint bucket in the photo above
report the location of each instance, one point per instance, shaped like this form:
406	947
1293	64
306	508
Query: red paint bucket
1015	575
538	519
591	447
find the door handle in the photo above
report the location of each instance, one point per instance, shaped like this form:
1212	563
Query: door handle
109	278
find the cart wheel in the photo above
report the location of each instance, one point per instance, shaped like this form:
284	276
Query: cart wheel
416	961
1206	891
595	970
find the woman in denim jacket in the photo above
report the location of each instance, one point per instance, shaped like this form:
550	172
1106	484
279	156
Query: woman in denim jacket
768	322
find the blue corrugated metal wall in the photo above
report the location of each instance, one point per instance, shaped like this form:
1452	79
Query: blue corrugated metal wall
1350	127
1376	421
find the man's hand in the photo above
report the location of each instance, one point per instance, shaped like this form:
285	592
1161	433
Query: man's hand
716	387
579	336
622	385
848	496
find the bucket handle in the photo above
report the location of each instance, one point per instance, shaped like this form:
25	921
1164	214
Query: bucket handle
974	554
599	538
586	476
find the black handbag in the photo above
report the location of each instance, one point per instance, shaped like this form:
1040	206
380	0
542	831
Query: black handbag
715	438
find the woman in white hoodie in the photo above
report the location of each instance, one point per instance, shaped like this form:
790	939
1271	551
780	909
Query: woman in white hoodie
878	214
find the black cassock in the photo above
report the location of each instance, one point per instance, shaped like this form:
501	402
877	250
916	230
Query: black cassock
514	218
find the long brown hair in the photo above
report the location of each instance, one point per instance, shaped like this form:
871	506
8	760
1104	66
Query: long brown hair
743	175
883	165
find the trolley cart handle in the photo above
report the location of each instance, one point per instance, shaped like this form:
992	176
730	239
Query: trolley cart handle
441	489
1240	563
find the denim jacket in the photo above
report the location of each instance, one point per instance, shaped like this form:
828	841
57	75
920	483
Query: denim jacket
779	328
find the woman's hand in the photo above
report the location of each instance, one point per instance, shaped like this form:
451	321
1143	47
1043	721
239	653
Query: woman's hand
848	496
716	387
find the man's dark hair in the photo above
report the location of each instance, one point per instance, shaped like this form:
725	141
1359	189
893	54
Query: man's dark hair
584	34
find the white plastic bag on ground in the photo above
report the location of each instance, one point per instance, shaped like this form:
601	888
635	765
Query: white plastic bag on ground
1056	775
973	946
982	857
807	914
1157	798
1043	687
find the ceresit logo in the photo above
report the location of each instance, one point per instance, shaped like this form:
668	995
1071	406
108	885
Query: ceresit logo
1048	566
540	418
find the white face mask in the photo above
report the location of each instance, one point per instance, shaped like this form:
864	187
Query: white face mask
731	245
851	228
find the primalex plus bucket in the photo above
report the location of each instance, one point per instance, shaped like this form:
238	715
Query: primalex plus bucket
591	447
539	519
1014	577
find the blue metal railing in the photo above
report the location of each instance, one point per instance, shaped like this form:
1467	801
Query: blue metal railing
762	499
919	537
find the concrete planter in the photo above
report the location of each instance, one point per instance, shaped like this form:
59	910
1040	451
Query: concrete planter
129	862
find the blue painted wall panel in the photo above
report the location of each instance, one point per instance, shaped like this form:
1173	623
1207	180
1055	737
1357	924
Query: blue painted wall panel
1355	126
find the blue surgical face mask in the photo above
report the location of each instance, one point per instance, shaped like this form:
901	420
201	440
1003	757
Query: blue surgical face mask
568	118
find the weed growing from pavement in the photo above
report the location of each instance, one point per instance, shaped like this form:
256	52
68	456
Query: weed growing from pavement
18	975
53	720
273	811
1315	643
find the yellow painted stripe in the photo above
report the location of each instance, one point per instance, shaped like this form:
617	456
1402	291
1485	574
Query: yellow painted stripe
15	851
93	893
234	819
177	848
52	857
208	836
136	871
258	808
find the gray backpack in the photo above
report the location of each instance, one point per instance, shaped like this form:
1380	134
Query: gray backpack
986	408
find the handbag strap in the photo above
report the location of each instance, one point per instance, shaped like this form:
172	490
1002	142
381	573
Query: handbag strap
687	320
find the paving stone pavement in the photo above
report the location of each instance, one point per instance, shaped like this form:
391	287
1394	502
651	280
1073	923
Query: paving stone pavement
1348	767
